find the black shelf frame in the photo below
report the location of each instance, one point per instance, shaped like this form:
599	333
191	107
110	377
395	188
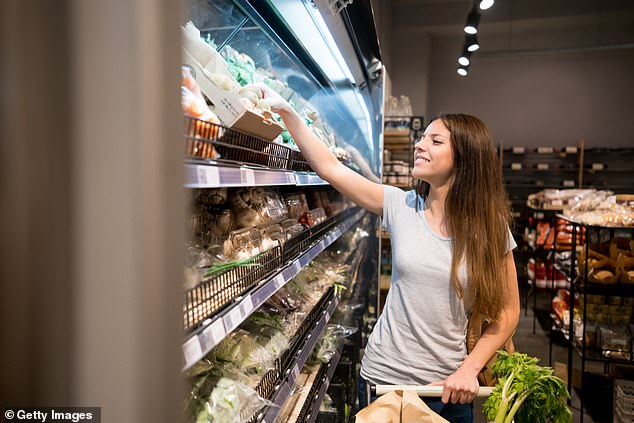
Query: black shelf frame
585	287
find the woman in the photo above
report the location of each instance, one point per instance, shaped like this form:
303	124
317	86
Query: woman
451	256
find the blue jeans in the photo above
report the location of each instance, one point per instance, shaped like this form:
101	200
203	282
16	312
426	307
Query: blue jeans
454	413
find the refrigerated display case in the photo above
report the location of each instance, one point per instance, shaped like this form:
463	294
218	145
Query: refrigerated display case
329	70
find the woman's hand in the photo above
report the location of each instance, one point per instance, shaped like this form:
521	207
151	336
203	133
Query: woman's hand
460	387
272	98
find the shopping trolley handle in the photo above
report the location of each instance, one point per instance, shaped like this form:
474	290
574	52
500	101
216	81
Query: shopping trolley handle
422	390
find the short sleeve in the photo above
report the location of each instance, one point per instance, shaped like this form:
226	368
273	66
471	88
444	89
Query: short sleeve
393	199
510	244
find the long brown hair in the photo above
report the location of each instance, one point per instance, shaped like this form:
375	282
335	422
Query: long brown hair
477	213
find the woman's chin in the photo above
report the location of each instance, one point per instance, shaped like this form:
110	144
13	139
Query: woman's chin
417	175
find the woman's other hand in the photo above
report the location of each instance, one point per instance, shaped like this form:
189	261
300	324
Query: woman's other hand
460	387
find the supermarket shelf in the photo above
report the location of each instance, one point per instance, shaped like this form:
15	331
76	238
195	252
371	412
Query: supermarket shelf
608	169
212	331
617	289
308	178
564	270
569	219
314	399
285	389
216	174
595	354
397	134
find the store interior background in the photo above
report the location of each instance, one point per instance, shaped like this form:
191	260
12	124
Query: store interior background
547	72
90	175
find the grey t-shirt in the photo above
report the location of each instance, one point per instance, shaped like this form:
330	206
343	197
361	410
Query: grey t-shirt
420	336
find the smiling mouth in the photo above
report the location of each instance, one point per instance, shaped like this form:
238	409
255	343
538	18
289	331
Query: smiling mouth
422	159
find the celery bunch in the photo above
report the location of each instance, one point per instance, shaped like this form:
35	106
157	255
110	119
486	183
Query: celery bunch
526	392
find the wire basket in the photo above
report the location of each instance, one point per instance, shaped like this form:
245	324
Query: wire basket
205	140
297	162
283	364
218	291
307	407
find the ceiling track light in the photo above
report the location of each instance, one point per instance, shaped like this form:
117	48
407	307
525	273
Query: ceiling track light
462	71
485	4
473	19
471	42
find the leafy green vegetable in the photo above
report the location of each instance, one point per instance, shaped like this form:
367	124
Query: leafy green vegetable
218	268
526	392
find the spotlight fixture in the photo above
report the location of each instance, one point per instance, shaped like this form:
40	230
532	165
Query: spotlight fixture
471	42
464	60
485	4
462	71
471	27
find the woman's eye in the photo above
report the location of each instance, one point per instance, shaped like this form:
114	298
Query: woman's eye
437	142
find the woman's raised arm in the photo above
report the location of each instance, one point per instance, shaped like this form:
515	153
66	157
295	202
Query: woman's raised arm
360	190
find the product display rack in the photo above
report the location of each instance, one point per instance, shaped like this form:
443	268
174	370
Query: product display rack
212	328
310	409
579	281
609	168
349	114
528	170
401	133
537	252
278	384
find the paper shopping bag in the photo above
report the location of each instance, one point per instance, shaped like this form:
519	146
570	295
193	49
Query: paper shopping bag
398	407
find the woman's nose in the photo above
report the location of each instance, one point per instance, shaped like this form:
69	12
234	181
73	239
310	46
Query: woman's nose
420	144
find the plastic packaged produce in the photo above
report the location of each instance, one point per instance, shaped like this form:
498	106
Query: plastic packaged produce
272	235
296	204
291	227
243	244
257	206
240	65
204	128
312	217
219	399
331	340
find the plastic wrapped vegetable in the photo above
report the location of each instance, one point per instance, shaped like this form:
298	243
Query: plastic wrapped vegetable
220	400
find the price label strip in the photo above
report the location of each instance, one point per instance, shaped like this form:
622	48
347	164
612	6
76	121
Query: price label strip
208	176
192	351
233	319
278	281
247	176
246	307
213	334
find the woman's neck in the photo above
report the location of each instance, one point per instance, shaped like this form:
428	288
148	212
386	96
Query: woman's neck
435	201
435	210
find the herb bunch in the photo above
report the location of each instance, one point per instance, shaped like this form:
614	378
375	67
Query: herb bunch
526	392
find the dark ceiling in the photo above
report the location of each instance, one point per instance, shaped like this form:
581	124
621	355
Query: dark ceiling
594	23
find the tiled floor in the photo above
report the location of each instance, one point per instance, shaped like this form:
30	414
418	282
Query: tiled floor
537	345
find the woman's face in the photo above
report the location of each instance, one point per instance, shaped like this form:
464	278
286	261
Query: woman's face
433	156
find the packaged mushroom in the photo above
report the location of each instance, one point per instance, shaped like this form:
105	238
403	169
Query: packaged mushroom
243	244
272	235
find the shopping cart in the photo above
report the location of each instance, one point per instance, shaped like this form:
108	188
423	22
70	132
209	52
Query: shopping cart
422	391
372	392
